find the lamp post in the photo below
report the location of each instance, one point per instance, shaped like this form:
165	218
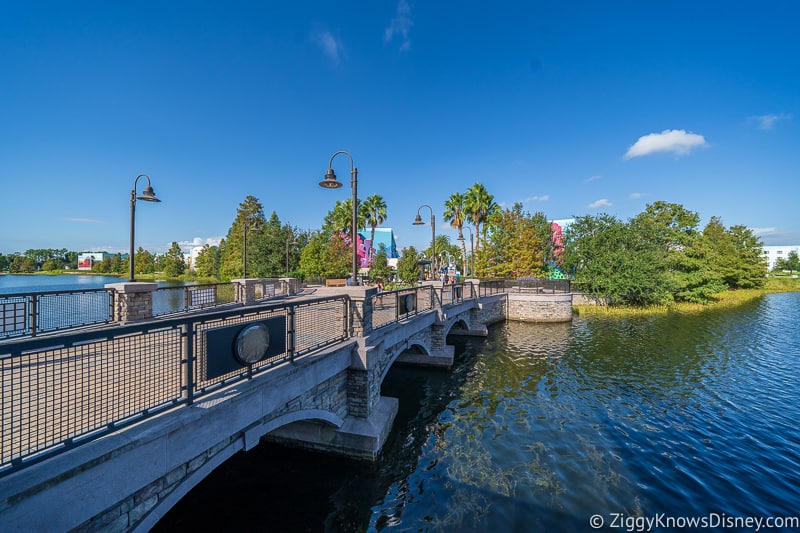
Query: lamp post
148	195
471	251
294	242
255	227
418	222
330	182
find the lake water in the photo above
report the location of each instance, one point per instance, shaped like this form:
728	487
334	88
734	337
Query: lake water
21	283
541	426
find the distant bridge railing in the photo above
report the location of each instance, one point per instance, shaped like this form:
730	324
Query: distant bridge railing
57	392
523	285
453	293
29	314
392	306
170	300
537	285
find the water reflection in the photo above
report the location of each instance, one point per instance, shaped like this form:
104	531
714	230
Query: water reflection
542	425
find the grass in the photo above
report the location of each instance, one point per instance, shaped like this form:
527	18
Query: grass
723	300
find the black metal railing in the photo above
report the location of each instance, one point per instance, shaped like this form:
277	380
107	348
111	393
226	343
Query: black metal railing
30	314
453	293
487	287
181	299
59	392
537	285
391	306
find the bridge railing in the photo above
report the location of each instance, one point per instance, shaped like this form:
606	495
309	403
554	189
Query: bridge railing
170	300
57	392
391	306
537	285
29	314
454	293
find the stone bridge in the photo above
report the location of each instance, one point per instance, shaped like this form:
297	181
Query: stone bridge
325	398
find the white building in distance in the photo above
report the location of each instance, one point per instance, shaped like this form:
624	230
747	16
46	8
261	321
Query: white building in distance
773	253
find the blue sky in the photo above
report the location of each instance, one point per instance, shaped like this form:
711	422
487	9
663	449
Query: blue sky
571	108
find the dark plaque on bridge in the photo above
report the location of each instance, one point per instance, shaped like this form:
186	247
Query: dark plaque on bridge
230	348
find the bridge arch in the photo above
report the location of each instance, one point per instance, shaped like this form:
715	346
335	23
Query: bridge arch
460	324
222	454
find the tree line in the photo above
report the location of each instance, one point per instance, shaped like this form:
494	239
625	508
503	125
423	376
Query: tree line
171	264
661	255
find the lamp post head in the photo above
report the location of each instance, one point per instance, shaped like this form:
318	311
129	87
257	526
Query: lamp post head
148	195
418	221
330	181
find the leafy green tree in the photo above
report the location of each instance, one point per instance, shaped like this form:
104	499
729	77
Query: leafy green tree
407	268
751	267
144	262
102	267
4	262
250	213
517	245
688	268
20	263
312	256
338	258
790	262
206	264
116	265
50	265
622	263
174	262
380	266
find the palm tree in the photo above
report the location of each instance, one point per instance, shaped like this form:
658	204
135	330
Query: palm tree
375	207
480	206
454	213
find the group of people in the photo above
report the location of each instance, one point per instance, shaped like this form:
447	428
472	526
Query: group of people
448	276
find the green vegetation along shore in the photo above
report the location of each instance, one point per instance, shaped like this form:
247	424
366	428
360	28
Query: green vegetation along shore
722	300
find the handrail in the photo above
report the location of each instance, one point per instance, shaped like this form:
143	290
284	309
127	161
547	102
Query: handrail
167	358
29	314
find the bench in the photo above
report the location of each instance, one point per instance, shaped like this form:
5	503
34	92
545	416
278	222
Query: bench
335	282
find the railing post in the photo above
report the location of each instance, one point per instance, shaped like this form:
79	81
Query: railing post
34	322
133	301
290	316
188	346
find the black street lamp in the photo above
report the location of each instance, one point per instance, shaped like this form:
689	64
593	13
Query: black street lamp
330	182
418	222
148	195
471	251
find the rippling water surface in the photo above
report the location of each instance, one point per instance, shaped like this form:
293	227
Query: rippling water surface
541	426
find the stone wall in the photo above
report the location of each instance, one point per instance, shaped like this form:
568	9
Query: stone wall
133	301
540	307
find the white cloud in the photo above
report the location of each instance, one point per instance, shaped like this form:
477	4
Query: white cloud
330	45
636	195
767	122
84	220
543	198
199	241
602	202
764	231
400	25
676	141
593	178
